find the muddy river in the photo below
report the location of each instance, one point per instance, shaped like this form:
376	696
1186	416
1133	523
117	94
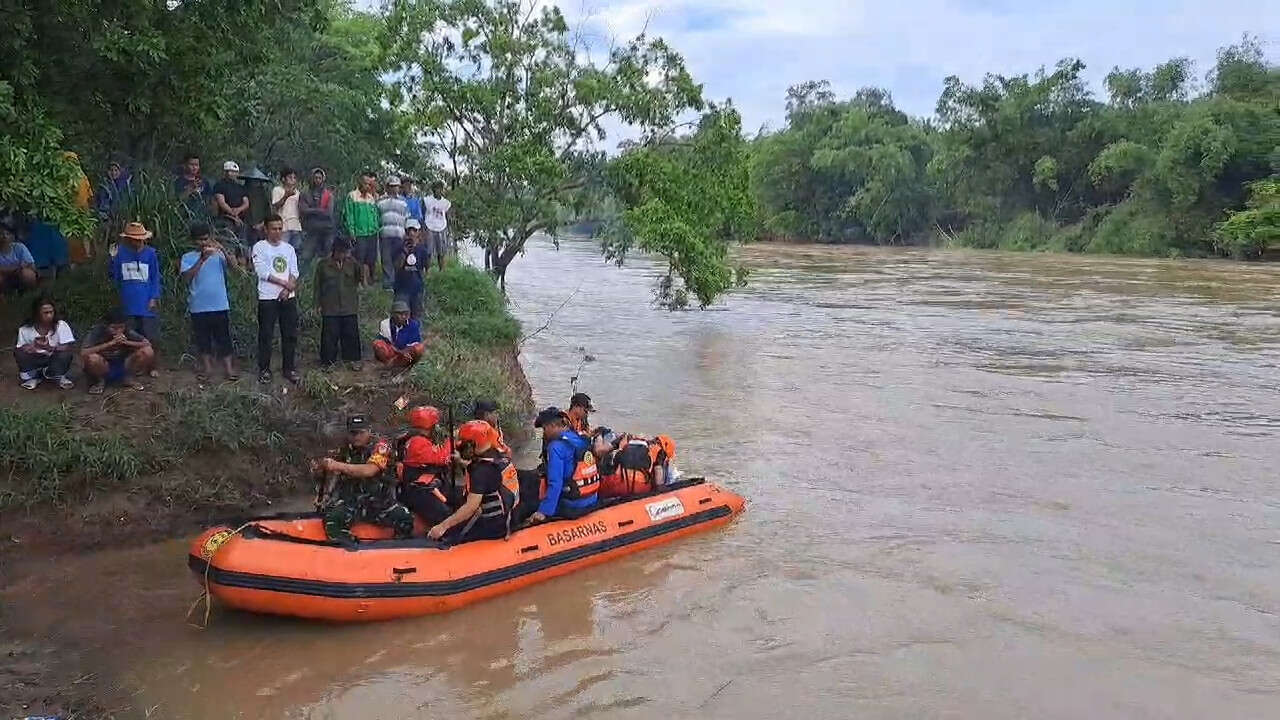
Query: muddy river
982	486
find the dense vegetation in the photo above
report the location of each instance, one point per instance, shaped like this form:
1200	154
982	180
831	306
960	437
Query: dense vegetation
1037	162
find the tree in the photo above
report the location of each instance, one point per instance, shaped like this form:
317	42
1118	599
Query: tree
510	99
688	200
840	171
36	174
141	77
321	100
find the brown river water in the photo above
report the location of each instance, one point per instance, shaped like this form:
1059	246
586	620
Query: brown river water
981	486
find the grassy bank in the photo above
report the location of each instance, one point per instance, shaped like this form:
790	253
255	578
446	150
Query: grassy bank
170	458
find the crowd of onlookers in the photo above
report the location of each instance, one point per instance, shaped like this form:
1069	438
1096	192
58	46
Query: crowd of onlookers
285	235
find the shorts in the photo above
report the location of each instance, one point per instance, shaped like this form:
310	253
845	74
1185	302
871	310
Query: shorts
116	370
212	331
436	242
147	327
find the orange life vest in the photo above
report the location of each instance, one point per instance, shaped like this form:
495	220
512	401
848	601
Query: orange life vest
586	478
634	471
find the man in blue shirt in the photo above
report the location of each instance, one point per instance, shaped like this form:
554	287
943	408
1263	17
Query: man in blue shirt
17	267
572	479
206	270
136	272
411	198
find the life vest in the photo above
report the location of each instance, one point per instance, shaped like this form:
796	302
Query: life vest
498	504
326	199
586	477
631	470
431	475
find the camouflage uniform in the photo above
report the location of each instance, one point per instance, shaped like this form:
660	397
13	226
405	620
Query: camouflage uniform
370	500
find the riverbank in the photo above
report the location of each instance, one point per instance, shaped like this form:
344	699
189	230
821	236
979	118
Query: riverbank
85	473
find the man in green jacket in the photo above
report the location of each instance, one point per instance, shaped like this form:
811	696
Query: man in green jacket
337	283
362	221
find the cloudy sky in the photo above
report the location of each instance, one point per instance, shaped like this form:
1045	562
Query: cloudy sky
752	50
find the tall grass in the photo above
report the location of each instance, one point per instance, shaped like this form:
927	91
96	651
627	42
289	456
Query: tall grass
471	332
50	455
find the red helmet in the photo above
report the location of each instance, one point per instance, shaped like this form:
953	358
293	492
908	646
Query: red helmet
478	432
424	417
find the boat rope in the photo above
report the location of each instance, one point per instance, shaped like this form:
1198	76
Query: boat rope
211	548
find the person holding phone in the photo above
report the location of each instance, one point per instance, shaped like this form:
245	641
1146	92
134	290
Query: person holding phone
44	347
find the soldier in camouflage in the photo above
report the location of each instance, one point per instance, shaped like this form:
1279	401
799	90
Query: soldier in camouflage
359	485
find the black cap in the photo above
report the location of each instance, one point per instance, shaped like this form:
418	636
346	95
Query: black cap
198	230
483	407
581	400
548	415
357	422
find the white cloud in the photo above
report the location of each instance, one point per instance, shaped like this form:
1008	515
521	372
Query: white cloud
752	50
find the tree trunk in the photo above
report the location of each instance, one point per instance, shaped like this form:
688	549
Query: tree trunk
500	274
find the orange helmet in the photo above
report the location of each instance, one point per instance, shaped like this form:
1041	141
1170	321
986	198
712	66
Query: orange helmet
478	432
424	417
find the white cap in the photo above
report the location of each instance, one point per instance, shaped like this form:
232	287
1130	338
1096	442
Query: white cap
230	165
412	223
393	180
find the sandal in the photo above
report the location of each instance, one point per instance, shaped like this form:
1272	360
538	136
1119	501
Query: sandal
264	377
202	378
135	385
154	373
97	388
31	384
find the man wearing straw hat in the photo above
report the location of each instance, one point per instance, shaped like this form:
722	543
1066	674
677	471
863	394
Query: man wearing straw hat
136	272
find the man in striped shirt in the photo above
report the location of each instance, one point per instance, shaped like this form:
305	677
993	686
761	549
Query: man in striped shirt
394	212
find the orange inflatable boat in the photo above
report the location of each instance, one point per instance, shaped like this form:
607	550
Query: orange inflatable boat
283	564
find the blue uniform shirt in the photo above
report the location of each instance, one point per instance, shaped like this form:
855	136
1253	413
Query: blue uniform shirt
562	459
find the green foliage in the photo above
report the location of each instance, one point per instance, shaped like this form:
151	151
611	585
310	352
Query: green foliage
466	359
464	304
1027	231
1036	162
1248	233
36	175
1119	165
297	82
843	171
1044	174
513	100
687	200
1132	228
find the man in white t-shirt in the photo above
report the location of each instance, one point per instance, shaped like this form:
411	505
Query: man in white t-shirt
435	211
276	264
284	202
